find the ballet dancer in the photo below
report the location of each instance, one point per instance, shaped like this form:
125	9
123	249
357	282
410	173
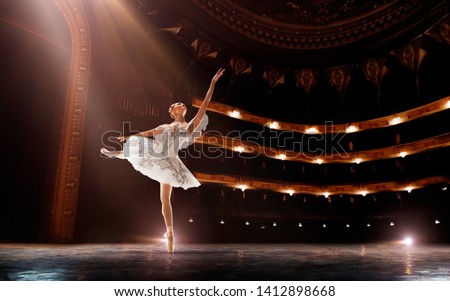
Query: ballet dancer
154	153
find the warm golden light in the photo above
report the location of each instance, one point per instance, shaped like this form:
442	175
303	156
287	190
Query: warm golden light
351	129
274	125
243	187
409	189
312	130
363	193
326	194
319	161
448	104
358	160
281	156
396	120
290	191
235	114
403	154
239	149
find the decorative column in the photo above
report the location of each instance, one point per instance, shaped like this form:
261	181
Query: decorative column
64	203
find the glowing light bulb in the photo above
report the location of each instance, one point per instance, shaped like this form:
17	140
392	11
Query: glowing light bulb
240	149
312	130
358	160
403	154
396	120
235	114
243	187
319	161
274	125
351	129
282	156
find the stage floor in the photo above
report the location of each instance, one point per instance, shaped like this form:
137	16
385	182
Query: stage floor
232	262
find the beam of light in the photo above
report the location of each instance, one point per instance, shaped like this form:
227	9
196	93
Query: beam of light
35	32
128	35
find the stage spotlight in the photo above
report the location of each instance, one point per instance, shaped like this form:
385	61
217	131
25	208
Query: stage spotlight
408	241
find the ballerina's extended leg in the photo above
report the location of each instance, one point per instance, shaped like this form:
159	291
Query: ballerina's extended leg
166	210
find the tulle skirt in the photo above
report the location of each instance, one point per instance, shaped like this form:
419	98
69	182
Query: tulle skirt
162	167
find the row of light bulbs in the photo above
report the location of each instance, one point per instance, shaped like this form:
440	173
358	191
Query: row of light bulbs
300	225
313	130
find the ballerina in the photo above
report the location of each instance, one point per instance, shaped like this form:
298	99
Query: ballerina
154	153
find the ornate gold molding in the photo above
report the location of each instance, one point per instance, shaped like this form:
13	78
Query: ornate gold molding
64	203
390	120
244	183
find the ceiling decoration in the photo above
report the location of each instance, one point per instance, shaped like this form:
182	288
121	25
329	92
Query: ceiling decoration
310	32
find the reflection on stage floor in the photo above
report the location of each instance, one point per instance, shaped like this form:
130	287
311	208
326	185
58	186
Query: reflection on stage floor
231	262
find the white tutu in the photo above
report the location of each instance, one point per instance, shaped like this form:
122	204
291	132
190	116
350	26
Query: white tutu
157	157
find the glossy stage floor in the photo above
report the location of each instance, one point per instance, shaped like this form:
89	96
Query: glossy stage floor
224	262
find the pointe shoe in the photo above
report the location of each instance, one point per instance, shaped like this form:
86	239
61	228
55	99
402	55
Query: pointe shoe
107	153
170	244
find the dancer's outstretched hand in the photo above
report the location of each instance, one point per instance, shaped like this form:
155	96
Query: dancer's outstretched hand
218	74
122	138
